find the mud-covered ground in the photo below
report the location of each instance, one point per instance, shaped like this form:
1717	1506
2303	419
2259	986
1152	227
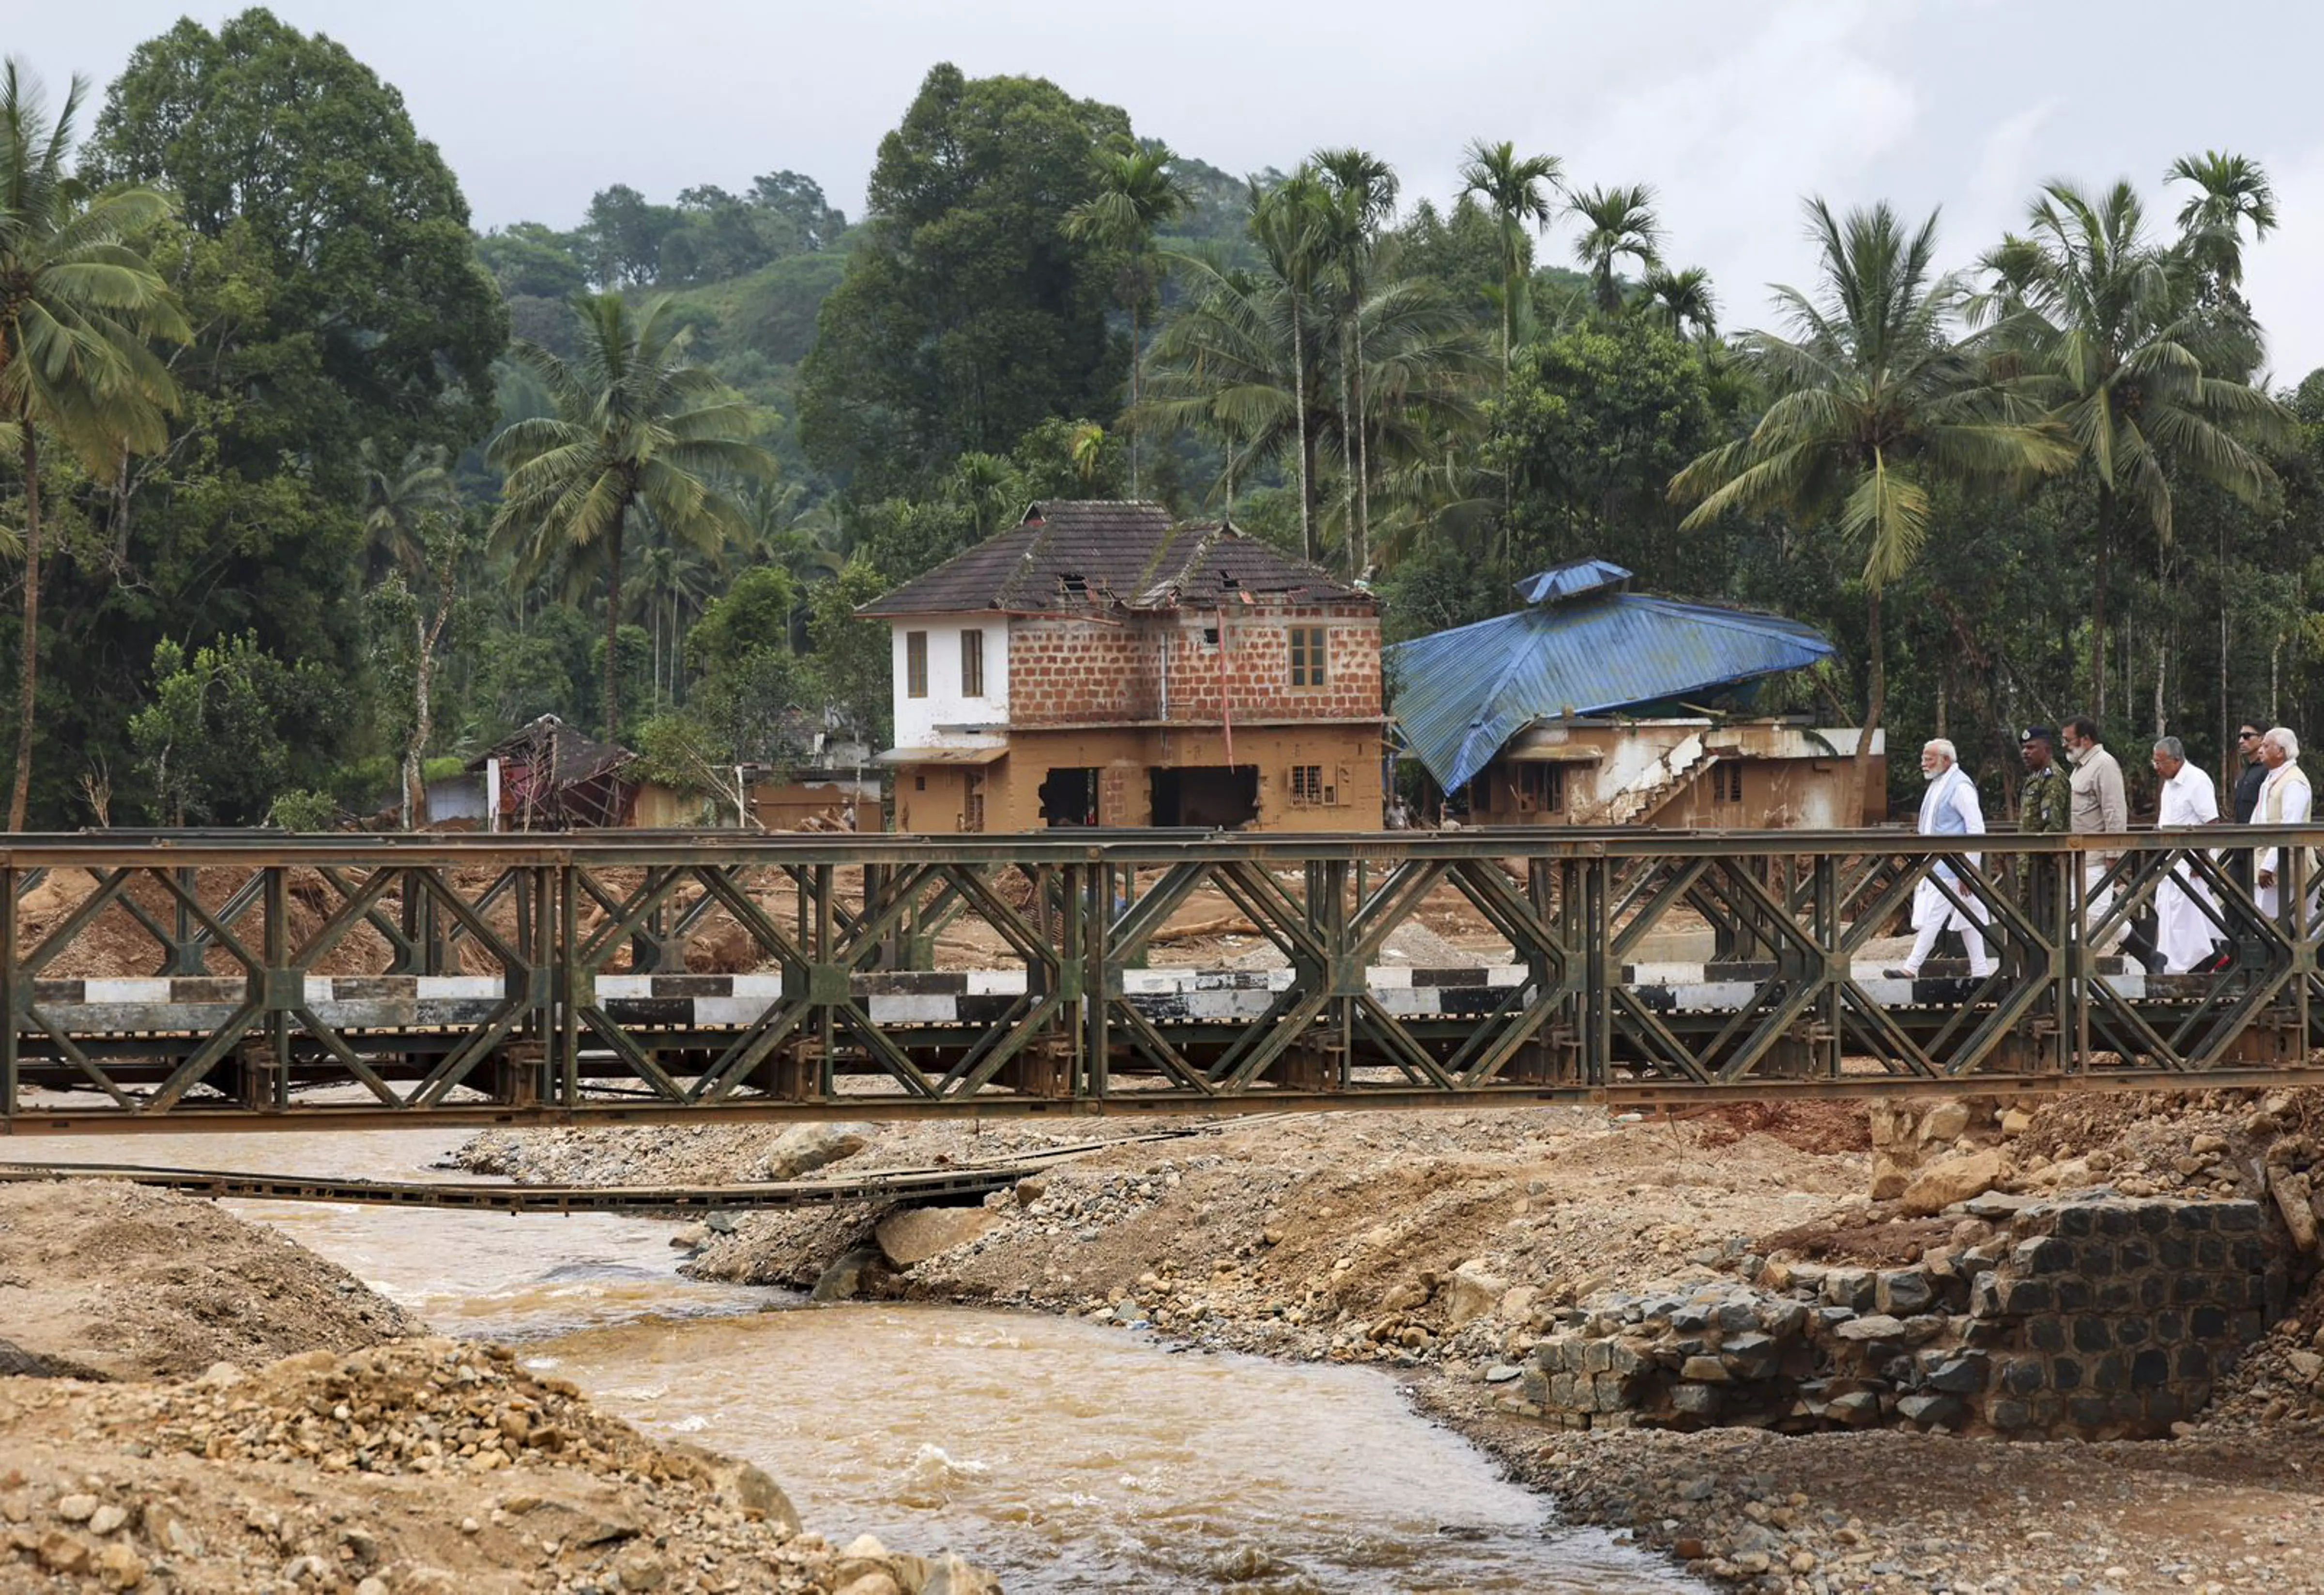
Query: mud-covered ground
1438	1245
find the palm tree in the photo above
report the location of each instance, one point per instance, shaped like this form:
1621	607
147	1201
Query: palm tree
1361	188
396	501
1516	190
2115	341
1616	222
1289	223
2232	191
1136	193
78	304
637	426
1228	363
1872	406
1684	299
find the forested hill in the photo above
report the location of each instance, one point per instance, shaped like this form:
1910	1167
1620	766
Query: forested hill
338	488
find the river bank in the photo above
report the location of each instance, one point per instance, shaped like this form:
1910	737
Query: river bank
199	1402
1441	1247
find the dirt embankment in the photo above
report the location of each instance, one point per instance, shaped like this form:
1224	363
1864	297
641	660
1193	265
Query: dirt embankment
1443	1245
119	1282
243	1416
425	1466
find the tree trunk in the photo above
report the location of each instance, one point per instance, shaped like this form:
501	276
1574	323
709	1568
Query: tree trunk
613	627
2098	607
20	797
1348	448
1307	544
1876	701
1133	398
1361	555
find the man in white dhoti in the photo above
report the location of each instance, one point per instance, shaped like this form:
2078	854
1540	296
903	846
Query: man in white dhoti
2185	934
1950	808
2284	799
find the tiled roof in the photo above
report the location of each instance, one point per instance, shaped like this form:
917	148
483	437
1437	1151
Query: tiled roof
1074	554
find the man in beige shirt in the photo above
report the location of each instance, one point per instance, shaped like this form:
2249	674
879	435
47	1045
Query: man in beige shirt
2100	809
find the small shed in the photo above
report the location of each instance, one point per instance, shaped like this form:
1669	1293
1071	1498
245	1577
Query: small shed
551	778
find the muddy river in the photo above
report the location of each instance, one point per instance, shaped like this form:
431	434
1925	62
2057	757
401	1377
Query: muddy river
1061	1455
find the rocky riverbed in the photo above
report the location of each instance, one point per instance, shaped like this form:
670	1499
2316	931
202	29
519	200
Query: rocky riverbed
1446	1247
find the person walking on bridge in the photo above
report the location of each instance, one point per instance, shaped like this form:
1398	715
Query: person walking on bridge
2100	809
2247	799
2046	805
1948	808
2186	935
2284	799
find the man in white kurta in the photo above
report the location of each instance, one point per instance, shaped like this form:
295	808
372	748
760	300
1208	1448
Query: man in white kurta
2284	799
1950	808
2185	933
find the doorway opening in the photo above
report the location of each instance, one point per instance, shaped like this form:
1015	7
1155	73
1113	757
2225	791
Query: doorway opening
1069	798
1218	796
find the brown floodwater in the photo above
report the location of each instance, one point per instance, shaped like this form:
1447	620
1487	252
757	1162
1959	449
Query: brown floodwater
1062	1455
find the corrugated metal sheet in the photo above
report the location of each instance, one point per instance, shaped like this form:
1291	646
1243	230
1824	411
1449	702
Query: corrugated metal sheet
1573	579
1460	695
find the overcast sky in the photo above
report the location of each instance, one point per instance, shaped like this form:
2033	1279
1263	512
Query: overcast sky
1733	109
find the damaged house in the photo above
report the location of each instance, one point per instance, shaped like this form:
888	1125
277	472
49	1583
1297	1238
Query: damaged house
1595	705
1099	664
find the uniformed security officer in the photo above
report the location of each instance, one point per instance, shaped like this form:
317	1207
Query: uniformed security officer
2046	805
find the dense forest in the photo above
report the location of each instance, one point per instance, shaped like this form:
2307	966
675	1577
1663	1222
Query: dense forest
307	486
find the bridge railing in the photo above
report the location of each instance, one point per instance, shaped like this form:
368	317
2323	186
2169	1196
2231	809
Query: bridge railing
159	978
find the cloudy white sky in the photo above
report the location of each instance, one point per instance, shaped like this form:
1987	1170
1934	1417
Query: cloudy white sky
1733	109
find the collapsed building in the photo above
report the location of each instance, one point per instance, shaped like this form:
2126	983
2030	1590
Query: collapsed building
1099	665
1596	706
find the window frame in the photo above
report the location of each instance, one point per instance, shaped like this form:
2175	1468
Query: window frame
915	663
1310	653
971	662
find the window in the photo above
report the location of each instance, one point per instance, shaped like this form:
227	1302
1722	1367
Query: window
972	664
1726	783
1540	788
915	663
1307	787
1308	656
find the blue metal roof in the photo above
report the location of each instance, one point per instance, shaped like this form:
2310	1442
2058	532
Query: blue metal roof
1462	695
1573	579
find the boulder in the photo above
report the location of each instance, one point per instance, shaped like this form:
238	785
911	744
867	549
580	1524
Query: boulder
2290	1192
805	1148
1953	1179
844	1280
915	1234
1471	1294
1946	1122
744	1486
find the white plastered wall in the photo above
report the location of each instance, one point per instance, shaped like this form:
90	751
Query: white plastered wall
918	720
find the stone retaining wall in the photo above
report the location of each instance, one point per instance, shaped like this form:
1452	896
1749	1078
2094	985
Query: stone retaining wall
2101	1318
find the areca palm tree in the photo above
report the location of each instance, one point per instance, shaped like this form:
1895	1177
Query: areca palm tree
1616	222
2231	190
1229	364
1361	188
1684	299
396	500
1873	406
1290	223
1516	190
2118	347
1136	193
637	427
77	305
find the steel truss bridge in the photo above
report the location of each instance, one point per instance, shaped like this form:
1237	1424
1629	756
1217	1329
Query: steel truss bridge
236	982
